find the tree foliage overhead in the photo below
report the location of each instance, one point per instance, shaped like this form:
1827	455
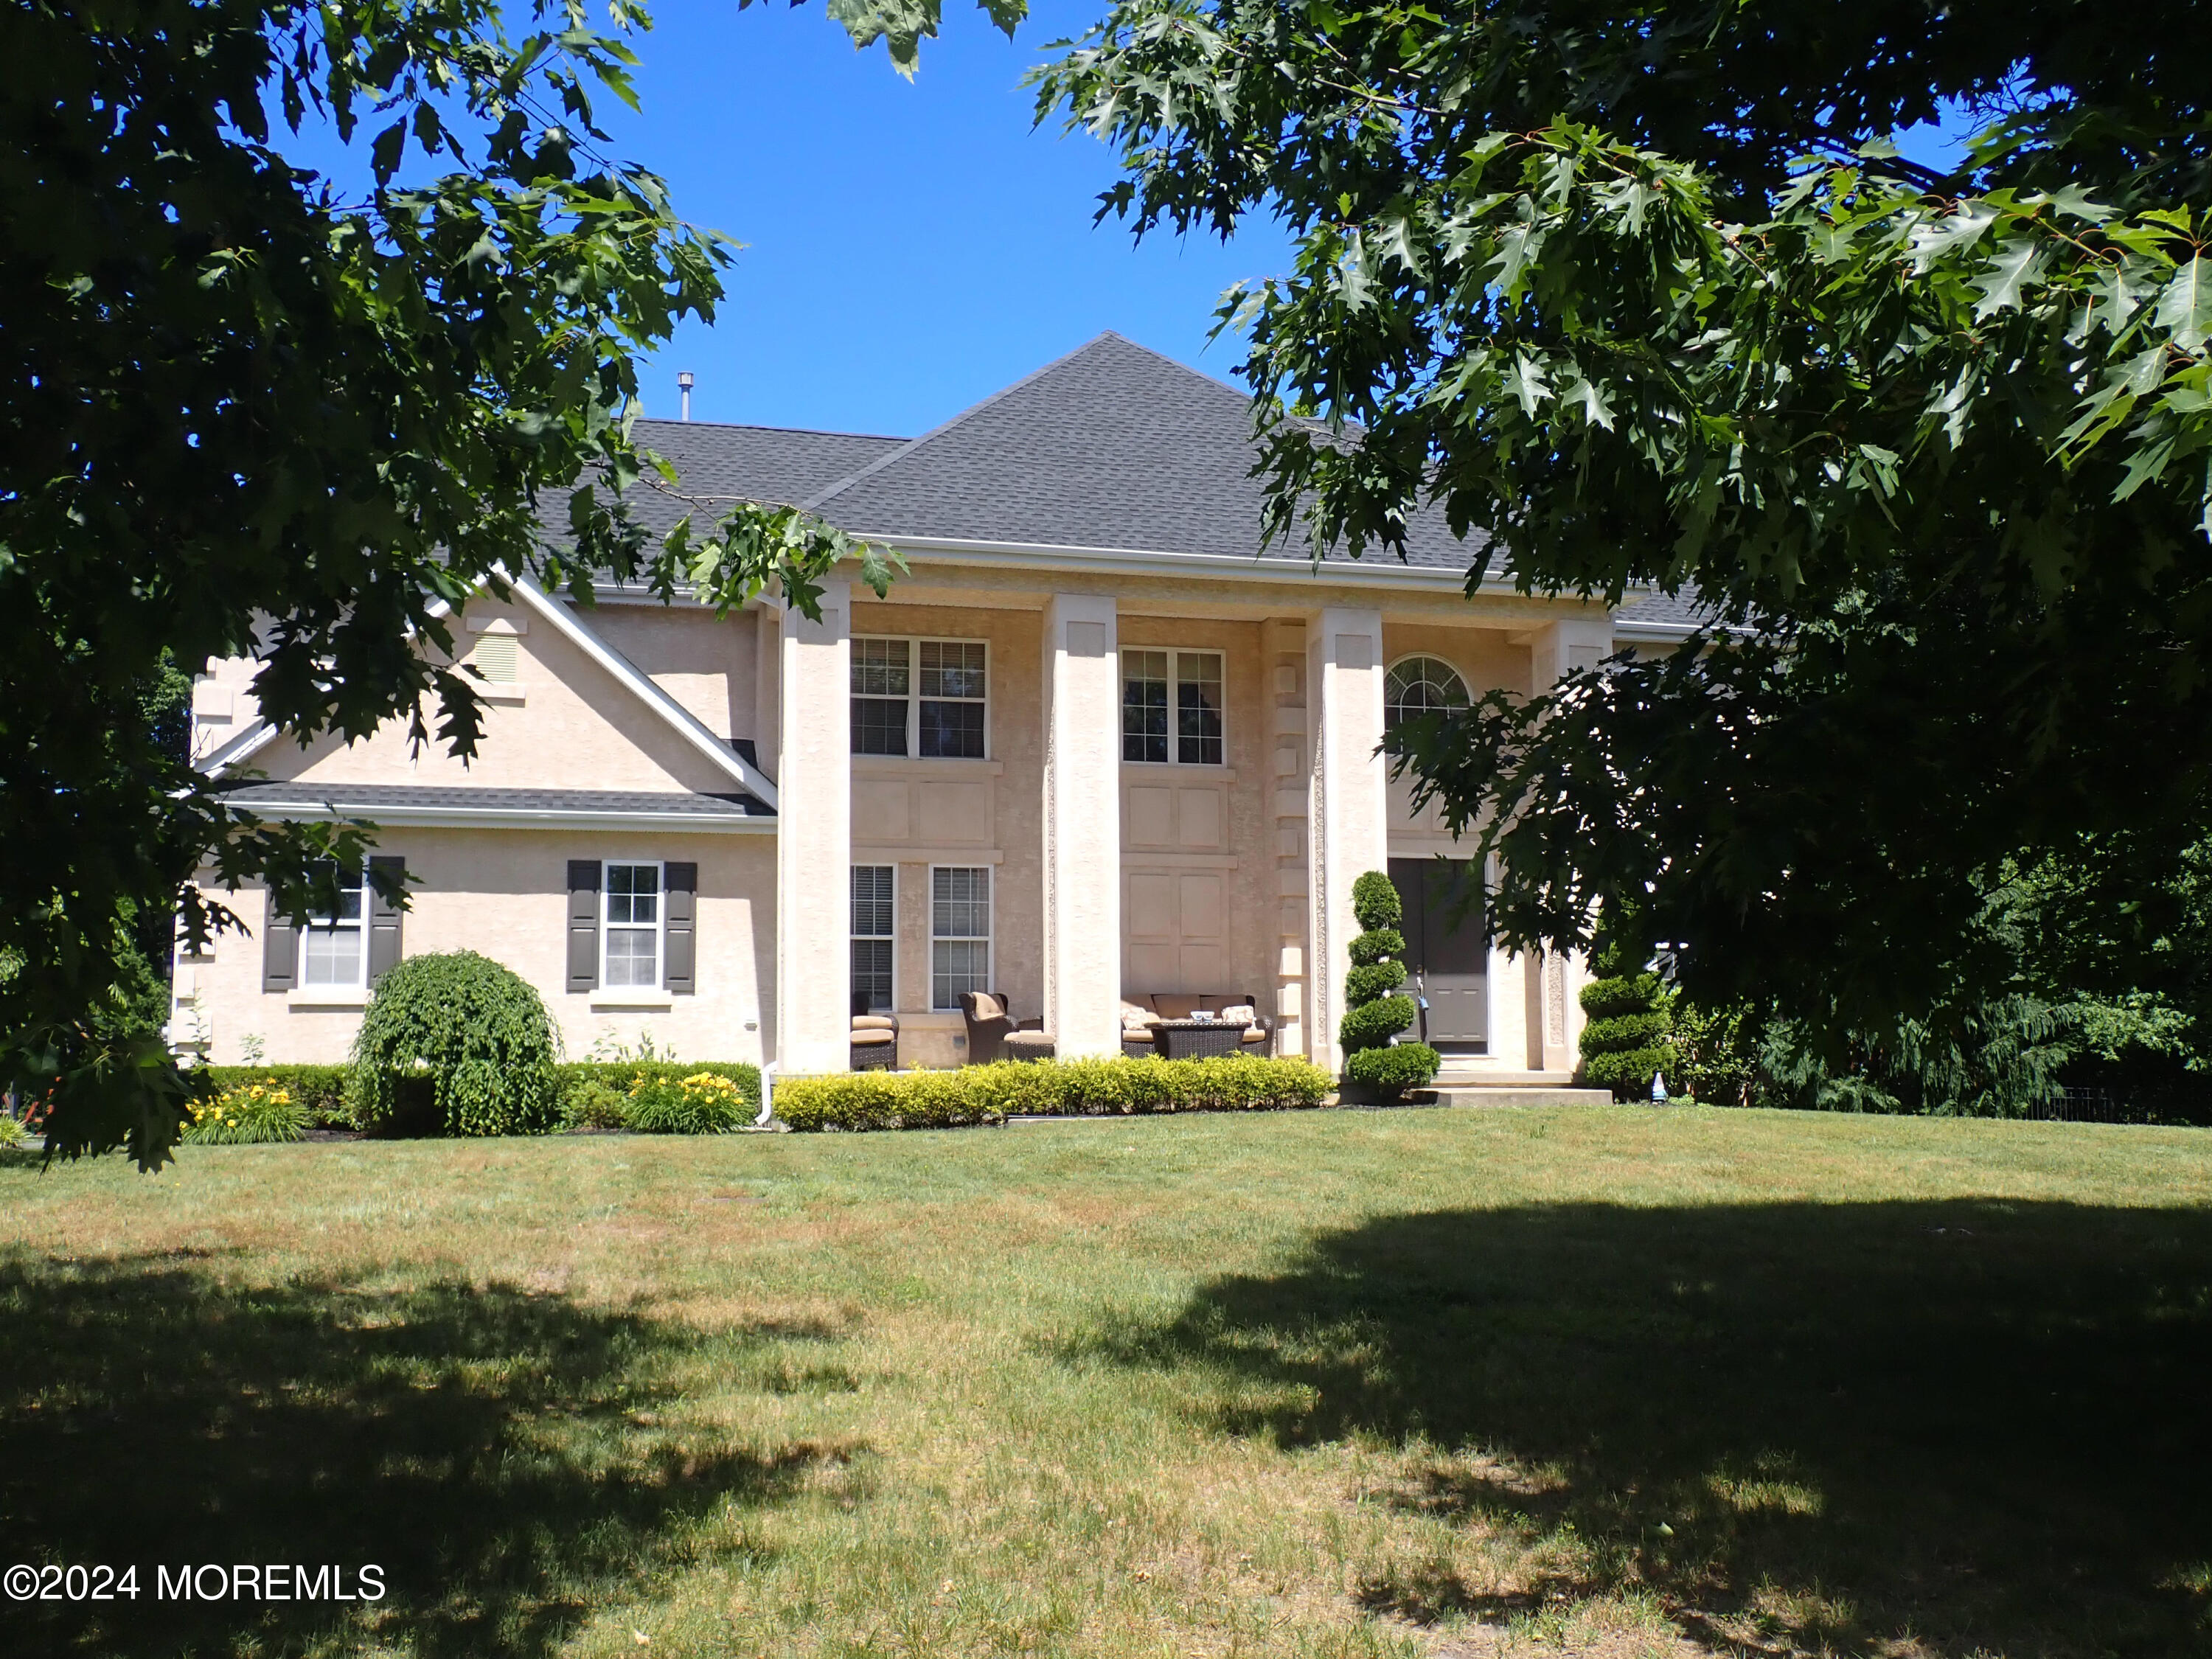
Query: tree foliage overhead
1640	295
249	410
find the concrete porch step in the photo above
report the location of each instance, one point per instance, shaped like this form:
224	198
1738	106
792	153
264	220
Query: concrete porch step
1459	1074
1515	1094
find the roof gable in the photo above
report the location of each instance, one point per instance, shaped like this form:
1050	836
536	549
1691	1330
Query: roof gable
1113	447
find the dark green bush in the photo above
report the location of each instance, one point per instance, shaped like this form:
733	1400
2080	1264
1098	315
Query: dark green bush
1374	1011
1074	1088
1395	1069
1373	981
1373	946
1372	1024
317	1091
467	1031
1375	904
1625	1045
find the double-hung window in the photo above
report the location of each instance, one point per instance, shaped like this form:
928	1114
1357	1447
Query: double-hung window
959	934
926	697
630	929
334	947
1172	707
873	937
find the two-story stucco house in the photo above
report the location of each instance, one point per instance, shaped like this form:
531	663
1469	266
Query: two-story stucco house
1093	747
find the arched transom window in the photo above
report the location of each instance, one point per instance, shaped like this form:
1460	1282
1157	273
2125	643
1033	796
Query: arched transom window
1421	685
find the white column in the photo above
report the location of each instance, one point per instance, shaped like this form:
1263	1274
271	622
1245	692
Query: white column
1082	825
1555	982
1348	817
814	840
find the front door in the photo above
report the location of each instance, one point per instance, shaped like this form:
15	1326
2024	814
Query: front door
1447	951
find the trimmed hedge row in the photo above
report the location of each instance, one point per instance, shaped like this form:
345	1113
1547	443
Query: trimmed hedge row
1061	1088
319	1091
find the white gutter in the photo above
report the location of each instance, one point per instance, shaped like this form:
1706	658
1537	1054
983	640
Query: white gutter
686	725
517	817
1137	562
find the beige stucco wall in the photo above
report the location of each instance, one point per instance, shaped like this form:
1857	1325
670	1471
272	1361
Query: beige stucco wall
565	724
504	893
706	663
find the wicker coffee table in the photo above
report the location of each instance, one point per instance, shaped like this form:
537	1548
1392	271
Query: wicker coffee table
1199	1039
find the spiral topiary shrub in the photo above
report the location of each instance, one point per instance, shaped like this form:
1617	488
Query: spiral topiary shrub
1375	1009
1630	1037
463	1041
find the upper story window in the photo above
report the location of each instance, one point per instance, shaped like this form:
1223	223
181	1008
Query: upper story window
1421	685
631	934
1172	707
334	947
937	712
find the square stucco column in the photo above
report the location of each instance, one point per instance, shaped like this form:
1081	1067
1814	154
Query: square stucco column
1082	825
1348	813
1555	982
814	840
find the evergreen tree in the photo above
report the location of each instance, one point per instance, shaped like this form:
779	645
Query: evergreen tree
1376	1007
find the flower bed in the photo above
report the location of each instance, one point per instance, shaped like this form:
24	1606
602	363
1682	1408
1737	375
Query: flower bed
1067	1088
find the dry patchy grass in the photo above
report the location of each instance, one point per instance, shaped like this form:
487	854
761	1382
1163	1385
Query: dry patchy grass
1614	1382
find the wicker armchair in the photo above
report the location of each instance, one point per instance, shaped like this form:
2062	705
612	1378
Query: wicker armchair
993	1033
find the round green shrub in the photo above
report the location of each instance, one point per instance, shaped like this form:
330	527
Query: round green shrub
1372	947
1373	983
1391	1071
1374	1024
471	1034
1375	904
1625	1043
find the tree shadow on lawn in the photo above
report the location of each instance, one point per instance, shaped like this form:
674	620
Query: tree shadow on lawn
491	1450
1982	1424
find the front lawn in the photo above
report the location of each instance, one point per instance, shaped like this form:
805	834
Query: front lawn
1331	1384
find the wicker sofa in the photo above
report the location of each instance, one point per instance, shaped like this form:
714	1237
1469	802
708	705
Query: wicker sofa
1140	1021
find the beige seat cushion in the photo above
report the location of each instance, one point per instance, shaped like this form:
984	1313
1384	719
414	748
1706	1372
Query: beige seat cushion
1254	1034
986	1005
873	1039
874	1022
1028	1039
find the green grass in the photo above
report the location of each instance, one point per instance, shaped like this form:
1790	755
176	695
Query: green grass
1614	1382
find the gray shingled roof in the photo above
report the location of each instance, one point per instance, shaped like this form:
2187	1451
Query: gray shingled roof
728	464
1111	447
366	798
1685	609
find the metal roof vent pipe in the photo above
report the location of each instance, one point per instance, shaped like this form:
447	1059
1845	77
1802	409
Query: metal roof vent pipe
683	385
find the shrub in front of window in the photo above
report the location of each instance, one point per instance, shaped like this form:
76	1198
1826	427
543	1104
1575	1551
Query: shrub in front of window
1375	1009
702	1103
263	1110
1069	1088
465	1036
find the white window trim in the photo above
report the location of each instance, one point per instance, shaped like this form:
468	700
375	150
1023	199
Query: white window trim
875	864
1174	652
1399	661
342	993
914	698
653	995
990	940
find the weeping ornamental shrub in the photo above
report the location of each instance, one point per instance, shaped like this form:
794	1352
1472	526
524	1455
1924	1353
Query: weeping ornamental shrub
467	1032
1376	1007
1630	1037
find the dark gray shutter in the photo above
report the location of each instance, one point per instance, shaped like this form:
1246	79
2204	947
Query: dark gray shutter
683	929
583	924
384	918
280	951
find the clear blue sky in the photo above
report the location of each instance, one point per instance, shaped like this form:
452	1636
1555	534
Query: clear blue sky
910	247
